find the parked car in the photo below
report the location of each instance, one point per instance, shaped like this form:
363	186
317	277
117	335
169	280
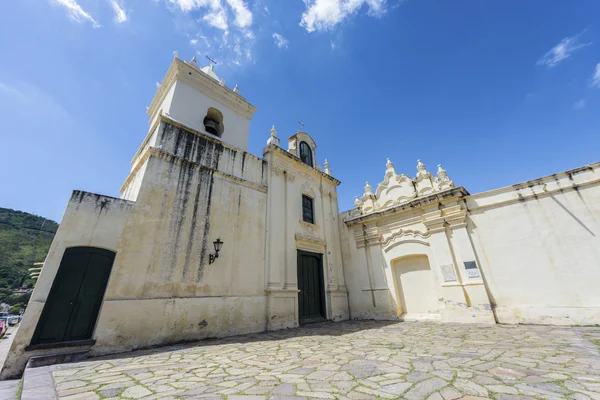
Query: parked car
13	319
3	327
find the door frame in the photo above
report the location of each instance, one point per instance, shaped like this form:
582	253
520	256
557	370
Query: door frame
319	256
54	289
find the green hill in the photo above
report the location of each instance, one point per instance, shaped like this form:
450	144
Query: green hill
24	239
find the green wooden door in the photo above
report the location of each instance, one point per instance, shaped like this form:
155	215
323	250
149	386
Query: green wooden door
311	298
72	306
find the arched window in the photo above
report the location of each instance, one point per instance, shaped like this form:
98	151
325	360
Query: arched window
213	122
306	154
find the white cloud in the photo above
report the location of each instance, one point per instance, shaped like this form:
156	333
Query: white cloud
563	50
120	14
76	13
280	41
226	28
243	16
326	14
217	12
217	19
596	76
579	105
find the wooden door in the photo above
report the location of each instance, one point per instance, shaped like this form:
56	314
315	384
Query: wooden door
311	298
76	295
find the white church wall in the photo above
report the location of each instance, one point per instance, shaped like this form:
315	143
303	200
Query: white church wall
432	228
189	106
89	220
185	203
538	244
368	292
289	179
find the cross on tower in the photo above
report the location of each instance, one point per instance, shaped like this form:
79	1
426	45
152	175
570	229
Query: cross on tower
211	60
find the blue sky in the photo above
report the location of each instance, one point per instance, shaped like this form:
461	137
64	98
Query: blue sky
499	92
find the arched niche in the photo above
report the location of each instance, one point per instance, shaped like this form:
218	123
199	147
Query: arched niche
213	122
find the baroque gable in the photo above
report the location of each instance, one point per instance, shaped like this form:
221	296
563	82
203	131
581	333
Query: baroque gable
399	188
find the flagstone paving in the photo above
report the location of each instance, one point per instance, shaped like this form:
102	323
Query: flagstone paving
354	360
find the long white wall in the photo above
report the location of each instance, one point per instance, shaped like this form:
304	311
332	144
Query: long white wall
538	245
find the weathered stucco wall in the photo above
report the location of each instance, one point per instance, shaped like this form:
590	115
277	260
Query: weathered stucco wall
89	220
194	190
539	248
190	190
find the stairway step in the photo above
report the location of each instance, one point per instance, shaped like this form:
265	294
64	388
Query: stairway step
57	358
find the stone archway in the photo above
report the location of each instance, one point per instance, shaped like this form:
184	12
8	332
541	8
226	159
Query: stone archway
415	286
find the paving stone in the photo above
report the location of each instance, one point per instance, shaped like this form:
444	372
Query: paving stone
423	388
82	396
397	388
506	373
135	392
435	396
449	393
354	360
502	389
284	389
417	376
470	387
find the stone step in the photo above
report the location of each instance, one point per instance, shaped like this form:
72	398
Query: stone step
57	358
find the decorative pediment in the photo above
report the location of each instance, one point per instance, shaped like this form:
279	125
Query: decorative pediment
397	189
403	233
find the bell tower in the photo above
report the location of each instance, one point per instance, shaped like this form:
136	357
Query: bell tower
197	98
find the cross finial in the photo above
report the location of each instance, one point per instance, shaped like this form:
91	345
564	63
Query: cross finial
301	124
211	60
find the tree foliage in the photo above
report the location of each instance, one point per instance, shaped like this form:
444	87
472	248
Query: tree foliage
24	239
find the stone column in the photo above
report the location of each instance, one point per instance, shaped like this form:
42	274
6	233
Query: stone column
457	300
468	268
282	298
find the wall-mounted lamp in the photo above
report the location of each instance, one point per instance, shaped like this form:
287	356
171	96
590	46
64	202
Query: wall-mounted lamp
212	257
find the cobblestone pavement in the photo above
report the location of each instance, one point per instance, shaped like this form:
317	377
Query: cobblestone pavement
355	360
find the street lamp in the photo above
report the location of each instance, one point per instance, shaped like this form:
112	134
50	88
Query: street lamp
212	257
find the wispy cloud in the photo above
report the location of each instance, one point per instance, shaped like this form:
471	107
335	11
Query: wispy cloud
225	28
25	96
563	50
11	90
280	41
326	14
596	77
76	13
217	12
579	105
120	14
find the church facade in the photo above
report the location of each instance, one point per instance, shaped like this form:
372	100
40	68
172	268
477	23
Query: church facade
208	240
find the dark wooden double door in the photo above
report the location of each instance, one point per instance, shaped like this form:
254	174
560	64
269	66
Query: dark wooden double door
311	295
72	307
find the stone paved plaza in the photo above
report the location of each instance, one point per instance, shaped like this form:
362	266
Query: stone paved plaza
356	360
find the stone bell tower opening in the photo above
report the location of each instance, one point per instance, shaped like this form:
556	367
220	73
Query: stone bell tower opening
213	122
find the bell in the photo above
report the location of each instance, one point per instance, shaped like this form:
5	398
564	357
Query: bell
211	126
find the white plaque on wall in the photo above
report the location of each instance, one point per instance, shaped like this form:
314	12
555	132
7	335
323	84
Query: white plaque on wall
473	273
448	273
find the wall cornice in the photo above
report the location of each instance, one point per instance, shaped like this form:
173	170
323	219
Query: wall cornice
288	161
574	179
155	152
446	196
171	121
192	76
